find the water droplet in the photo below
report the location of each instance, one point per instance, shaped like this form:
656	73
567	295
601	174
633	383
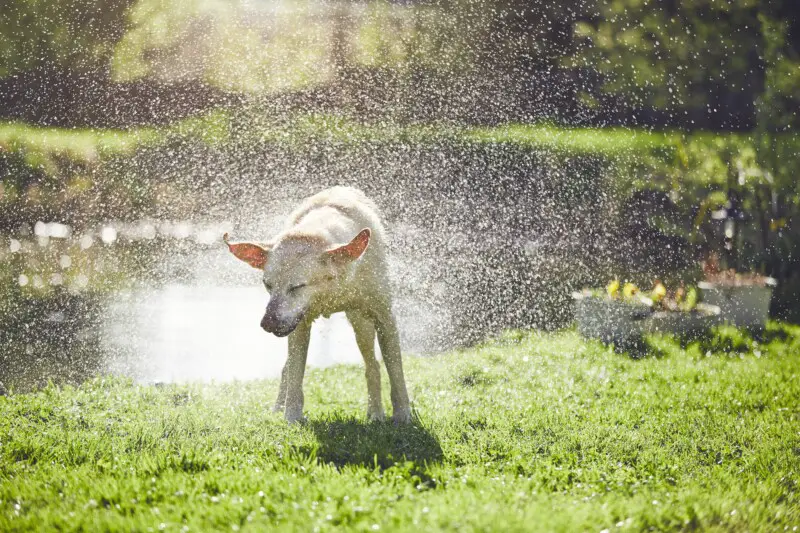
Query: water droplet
108	235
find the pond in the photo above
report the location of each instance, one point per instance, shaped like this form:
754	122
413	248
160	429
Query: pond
166	304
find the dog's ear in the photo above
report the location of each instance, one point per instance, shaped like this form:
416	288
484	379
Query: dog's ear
352	250
251	253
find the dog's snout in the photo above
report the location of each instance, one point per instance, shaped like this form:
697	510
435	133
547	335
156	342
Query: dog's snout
277	329
276	323
269	321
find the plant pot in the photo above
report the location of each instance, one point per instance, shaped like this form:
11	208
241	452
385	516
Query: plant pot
745	306
610	321
686	324
624	323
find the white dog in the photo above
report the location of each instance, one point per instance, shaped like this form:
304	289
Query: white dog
331	257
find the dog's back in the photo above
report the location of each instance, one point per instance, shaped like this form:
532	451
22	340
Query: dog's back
326	210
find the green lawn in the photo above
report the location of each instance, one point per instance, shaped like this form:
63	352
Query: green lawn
528	432
700	159
89	144
611	141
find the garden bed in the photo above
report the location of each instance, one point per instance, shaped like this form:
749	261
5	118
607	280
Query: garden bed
622	316
623	324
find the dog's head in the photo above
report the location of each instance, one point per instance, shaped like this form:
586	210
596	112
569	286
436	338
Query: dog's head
298	271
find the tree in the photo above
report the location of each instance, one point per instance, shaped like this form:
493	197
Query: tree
697	63
77	35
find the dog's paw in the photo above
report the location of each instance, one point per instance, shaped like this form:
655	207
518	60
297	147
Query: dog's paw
402	417
377	416
295	418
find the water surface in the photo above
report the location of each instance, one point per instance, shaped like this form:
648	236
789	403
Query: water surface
181	333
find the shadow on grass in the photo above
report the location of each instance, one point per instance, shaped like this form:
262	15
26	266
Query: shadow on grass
352	441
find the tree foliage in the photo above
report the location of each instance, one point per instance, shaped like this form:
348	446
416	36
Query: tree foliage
689	63
74	34
697	57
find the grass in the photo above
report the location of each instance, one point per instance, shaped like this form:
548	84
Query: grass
43	147
88	144
699	158
83	145
527	432
595	141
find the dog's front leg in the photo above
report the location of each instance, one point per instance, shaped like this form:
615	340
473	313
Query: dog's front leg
280	403
389	341
295	369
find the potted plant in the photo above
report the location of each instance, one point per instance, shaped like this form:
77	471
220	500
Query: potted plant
743	298
622	316
681	312
611	315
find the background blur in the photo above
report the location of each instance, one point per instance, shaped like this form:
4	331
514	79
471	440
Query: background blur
518	149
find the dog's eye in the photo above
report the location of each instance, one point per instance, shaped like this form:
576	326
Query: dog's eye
297	287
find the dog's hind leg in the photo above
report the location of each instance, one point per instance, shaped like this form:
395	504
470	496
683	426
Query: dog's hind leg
364	329
389	341
295	370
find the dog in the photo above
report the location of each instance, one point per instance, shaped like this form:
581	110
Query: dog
330	257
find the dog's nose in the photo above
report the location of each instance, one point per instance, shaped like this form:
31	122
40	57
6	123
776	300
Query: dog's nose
272	324
267	323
